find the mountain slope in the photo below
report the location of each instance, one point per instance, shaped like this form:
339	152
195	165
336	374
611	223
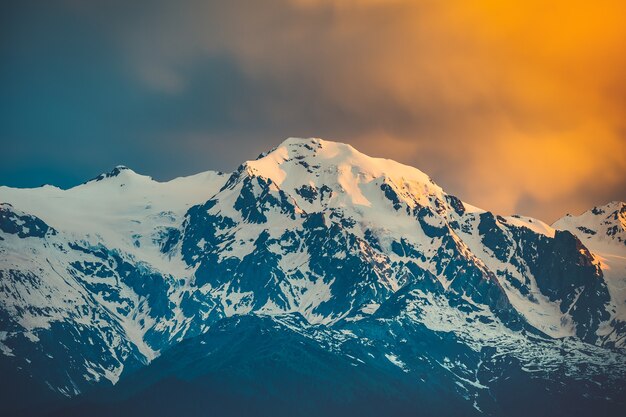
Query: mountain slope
123	269
603	231
281	365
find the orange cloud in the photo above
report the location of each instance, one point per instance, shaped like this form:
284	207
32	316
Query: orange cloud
532	94
516	105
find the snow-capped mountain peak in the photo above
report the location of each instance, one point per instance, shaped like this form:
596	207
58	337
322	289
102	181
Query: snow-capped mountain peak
120	175
316	236
321	175
602	229
319	155
603	225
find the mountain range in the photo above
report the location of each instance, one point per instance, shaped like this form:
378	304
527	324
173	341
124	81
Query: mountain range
313	280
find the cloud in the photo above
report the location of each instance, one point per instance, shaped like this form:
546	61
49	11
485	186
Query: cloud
514	106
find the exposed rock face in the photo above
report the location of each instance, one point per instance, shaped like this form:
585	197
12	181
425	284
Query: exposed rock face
364	261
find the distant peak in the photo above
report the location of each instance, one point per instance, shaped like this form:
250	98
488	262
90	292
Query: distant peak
115	172
610	207
617	204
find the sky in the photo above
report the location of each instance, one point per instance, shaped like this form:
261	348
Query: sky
515	107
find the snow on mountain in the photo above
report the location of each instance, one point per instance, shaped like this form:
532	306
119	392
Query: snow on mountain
101	235
535	225
603	230
121	208
123	268
307	195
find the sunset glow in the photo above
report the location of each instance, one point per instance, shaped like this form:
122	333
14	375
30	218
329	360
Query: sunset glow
313	208
527	98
